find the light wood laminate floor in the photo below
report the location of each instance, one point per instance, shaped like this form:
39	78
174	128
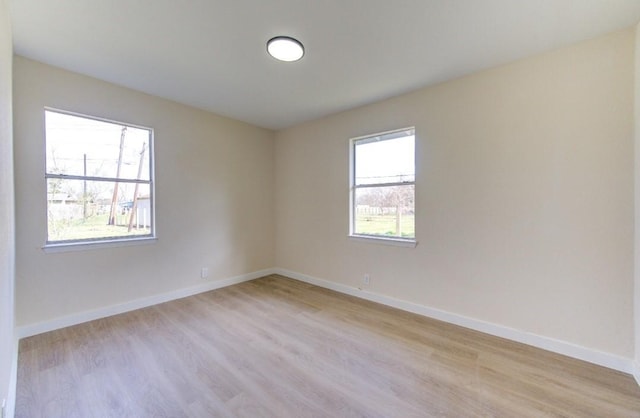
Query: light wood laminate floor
275	347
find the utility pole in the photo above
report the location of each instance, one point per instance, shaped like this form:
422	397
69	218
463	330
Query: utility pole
134	205
84	191
114	199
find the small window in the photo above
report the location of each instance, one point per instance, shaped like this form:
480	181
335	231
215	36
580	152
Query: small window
99	178
383	185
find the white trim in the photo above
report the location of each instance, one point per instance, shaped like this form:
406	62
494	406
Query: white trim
353	187
636	371
86	316
384	133
600	358
98	118
396	242
105	241
608	360
96	245
10	406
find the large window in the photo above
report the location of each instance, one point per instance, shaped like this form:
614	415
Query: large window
383	185
99	178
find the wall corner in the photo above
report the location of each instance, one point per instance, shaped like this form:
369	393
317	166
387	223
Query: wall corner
636	246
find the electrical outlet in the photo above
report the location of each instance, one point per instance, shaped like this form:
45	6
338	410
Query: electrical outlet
366	279
204	272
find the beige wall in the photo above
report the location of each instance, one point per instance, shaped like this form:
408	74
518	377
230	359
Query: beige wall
524	197
7	246
214	199
637	202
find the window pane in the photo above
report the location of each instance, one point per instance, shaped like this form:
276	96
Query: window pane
386	211
79	210
385	159
88	147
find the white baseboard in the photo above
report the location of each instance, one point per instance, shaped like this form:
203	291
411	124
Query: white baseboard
550	344
86	316
10	407
608	360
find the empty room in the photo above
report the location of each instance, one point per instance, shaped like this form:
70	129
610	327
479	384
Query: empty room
356	208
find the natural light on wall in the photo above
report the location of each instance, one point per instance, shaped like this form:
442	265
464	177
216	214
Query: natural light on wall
383	185
99	179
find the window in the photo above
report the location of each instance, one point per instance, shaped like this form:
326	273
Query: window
99	179
383	185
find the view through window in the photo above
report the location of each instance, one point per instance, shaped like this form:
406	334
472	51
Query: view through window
99	179
383	185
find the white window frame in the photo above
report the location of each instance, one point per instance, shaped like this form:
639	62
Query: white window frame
103	242
382	239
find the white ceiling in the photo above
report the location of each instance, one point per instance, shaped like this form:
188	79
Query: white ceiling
211	54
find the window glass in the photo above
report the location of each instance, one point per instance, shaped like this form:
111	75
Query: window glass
99	179
383	185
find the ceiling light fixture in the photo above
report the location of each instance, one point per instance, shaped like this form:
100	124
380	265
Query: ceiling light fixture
285	48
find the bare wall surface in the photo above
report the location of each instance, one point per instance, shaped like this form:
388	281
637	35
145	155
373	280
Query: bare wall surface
524	197
214	199
637	203
7	245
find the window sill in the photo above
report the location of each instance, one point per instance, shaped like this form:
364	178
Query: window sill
96	245
395	242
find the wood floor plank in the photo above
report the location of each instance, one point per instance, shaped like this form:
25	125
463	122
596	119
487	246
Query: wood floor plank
276	347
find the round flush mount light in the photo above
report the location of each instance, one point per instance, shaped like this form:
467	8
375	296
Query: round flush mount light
285	48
